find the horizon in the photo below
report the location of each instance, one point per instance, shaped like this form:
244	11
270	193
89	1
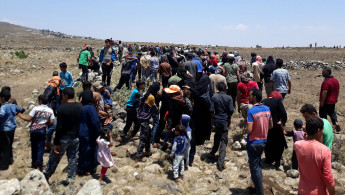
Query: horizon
270	24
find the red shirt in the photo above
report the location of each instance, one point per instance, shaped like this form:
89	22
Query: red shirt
244	89
214	62
332	86
314	164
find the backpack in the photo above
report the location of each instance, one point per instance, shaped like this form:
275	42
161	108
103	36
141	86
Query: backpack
51	93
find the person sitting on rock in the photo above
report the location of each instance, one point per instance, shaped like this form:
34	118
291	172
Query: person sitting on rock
179	146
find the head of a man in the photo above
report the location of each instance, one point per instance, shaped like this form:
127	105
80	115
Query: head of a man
67	94
221	87
279	63
42	99
308	111
314	127
107	43
326	71
255	96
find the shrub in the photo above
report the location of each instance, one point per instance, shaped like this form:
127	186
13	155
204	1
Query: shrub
21	54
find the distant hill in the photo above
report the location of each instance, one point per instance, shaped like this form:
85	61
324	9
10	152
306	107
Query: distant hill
11	29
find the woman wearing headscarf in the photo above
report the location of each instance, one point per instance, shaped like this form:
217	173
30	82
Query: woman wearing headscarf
275	139
153	90
88	133
267	71
201	117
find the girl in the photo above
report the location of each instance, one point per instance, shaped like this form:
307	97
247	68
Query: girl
104	156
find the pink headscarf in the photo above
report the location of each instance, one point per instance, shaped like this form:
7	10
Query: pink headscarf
259	61
213	56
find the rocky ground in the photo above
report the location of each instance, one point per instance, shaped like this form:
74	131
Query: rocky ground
28	77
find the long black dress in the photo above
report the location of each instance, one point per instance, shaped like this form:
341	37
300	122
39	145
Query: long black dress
275	139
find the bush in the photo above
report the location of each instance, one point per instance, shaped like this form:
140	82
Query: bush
21	54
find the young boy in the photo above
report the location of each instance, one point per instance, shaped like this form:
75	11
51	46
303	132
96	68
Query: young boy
131	106
185	122
8	125
41	117
66	77
178	149
108	103
297	134
144	114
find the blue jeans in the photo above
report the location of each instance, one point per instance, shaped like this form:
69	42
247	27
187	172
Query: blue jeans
178	164
254	153
37	139
154	74
155	118
133	73
50	132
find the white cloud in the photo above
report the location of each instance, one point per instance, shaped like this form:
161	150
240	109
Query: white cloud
239	27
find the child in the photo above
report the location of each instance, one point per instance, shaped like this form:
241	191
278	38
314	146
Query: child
179	146
108	103
66	77
186	96
144	114
41	117
104	156
298	134
8	125
185	122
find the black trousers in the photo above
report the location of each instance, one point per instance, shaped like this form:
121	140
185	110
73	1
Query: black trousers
329	109
220	142
165	81
124	79
131	118
6	155
232	91
294	161
106	76
145	138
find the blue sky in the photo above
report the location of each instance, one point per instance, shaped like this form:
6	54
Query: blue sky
239	23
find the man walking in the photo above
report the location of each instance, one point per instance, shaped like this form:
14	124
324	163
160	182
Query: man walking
329	97
281	79
223	107
107	57
259	121
66	136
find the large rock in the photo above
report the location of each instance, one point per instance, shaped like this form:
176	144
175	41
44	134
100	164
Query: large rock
121	113
154	168
92	187
35	183
337	166
236	145
293	173
9	187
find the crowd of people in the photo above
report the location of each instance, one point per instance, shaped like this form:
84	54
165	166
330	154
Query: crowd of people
191	92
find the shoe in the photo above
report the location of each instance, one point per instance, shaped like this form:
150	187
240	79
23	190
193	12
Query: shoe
221	169
113	154
138	159
181	177
337	128
148	154
65	182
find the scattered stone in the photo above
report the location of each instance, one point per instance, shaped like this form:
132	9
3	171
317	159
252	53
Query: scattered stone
239	153
10	187
337	166
170	187
35	183
291	181
35	91
242	176
236	145
274	191
130	151
91	187
213	188
121	113
292	173
243	143
219	175
154	168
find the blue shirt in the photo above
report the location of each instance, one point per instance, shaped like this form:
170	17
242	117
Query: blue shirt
66	80
8	114
134	63
133	99
200	68
281	79
179	146
106	98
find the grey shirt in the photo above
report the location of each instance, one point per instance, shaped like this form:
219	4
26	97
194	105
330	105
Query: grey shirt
107	55
191	67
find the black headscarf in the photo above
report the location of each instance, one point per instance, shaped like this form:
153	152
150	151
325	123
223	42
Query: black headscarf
153	89
270	60
201	86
